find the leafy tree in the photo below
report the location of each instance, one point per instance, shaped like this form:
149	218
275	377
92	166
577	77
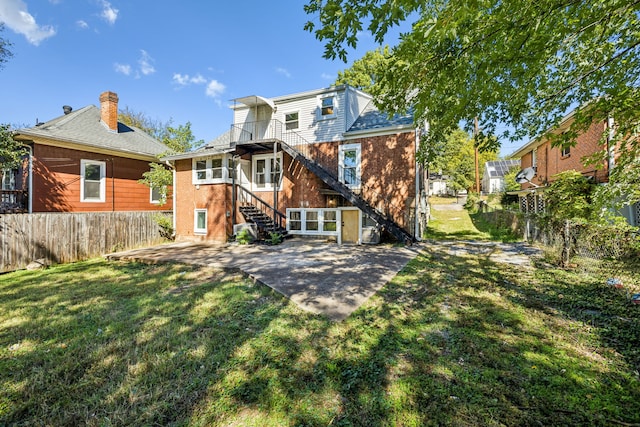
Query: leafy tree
179	139
5	53
455	157
569	197
363	73
11	151
519	63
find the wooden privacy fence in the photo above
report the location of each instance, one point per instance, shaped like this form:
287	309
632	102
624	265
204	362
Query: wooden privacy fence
69	237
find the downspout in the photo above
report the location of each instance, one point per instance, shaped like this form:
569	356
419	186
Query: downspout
611	150
418	200
173	196
30	178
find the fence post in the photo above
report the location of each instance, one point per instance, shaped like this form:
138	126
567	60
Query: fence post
567	244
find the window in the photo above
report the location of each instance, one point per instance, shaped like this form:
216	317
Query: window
159	194
295	221
92	180
566	151
534	158
8	179
312	221
330	221
267	171
327	106
200	221
291	121
349	165
211	171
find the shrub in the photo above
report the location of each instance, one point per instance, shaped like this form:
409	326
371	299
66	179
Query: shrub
244	237
165	222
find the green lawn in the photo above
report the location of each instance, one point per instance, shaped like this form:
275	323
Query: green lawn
450	341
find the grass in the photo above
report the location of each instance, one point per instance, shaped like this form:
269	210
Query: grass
451	340
460	225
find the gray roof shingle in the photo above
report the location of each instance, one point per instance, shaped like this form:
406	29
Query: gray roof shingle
83	127
371	118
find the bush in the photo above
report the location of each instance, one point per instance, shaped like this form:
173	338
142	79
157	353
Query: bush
244	237
165	222
473	199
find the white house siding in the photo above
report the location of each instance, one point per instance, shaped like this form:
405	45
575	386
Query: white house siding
311	128
356	101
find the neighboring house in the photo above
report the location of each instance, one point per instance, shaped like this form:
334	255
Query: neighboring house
322	163
547	161
438	184
494	172
87	161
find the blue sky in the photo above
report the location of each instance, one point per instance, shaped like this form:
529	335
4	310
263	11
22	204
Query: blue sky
169	60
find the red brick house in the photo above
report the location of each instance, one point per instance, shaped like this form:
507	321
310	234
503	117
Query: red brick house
87	161
547	161
322	163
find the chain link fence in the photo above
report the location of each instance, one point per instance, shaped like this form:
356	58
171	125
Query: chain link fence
569	238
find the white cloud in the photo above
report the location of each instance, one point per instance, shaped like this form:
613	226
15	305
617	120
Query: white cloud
82	24
122	68
215	89
327	76
15	15
186	79
145	61
284	72
109	13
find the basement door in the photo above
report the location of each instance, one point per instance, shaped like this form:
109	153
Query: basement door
350	232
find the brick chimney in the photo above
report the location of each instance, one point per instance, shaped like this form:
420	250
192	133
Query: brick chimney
109	110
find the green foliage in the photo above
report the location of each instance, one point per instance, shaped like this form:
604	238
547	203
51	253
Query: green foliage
363	73
519	63
454	156
472	202
623	188
165	222
244	237
158	177
5	53
510	184
179	139
11	151
569	197
275	238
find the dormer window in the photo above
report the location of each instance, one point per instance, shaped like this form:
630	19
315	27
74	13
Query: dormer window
327	107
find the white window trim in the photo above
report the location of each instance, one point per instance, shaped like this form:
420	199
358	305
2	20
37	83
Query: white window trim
103	178
8	179
197	230
285	120
321	214
268	186
335	106
209	179
163	189
342	149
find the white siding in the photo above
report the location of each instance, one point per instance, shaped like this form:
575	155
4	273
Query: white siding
356	102
311	127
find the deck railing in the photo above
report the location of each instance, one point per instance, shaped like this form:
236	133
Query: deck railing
16	201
